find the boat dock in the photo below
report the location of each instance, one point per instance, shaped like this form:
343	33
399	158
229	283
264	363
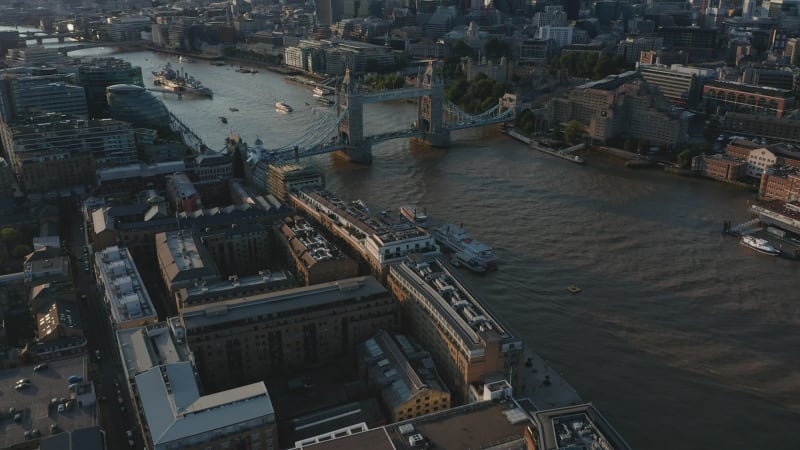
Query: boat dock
543	385
563	154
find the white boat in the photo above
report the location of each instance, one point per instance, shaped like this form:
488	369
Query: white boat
467	251
415	215
321	92
185	59
760	245
283	107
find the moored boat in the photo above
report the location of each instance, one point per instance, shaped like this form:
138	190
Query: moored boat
415	215
760	245
467	251
180	82
283	107
321	92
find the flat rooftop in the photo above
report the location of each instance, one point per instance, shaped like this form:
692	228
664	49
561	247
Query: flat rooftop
351	289
478	425
34	402
123	287
579	426
143	348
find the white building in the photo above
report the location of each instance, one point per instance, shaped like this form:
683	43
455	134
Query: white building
760	160
124	291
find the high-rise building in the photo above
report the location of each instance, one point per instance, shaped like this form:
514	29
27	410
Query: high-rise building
24	94
95	75
680	84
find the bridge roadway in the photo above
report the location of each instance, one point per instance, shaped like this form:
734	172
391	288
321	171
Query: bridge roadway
394	94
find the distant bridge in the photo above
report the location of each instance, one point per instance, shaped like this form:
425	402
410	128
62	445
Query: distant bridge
122	45
342	129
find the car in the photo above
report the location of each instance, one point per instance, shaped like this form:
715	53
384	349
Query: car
131	443
120	401
70	405
97	354
61	408
23	381
74	379
17	417
54	429
40	367
36	433
27	434
22	386
129	433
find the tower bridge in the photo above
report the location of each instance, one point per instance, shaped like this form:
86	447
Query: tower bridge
342	128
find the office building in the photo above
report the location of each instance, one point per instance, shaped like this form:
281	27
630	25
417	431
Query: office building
24	94
689	38
97	74
173	411
404	376
183	261
211	166
561	36
53	151
59	319
124	292
739	97
137	106
247	339
680	84
468	342
33	55
314	258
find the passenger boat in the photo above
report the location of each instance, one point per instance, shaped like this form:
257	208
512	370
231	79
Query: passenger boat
760	245
223	119
246	70
321	92
467	251
283	107
415	215
233	109
185	60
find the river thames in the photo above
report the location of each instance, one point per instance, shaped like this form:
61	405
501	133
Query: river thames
682	337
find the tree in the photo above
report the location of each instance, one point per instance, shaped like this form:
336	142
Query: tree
20	251
685	158
11	236
573	131
461	49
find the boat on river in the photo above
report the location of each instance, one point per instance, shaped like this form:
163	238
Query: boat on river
415	215
180	82
760	245
283	107
467	252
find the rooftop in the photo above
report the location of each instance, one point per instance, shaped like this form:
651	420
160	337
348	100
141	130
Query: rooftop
182	258
183	187
763	90
454	304
143	348
352	289
124	289
579	426
206	292
174	409
306	242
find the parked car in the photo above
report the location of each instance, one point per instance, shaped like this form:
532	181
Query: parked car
74	379
61	408
39	367
24	381
22	386
54	428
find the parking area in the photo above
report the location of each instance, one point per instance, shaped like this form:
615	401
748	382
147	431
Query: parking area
32	411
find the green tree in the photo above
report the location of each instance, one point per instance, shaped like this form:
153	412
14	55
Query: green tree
461	49
573	131
685	158
20	250
11	236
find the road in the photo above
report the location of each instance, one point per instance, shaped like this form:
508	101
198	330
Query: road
106	371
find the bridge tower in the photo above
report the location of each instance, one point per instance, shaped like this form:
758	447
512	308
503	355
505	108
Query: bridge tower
351	128
430	109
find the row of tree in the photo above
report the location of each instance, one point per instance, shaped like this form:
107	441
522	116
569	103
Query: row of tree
590	65
477	95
